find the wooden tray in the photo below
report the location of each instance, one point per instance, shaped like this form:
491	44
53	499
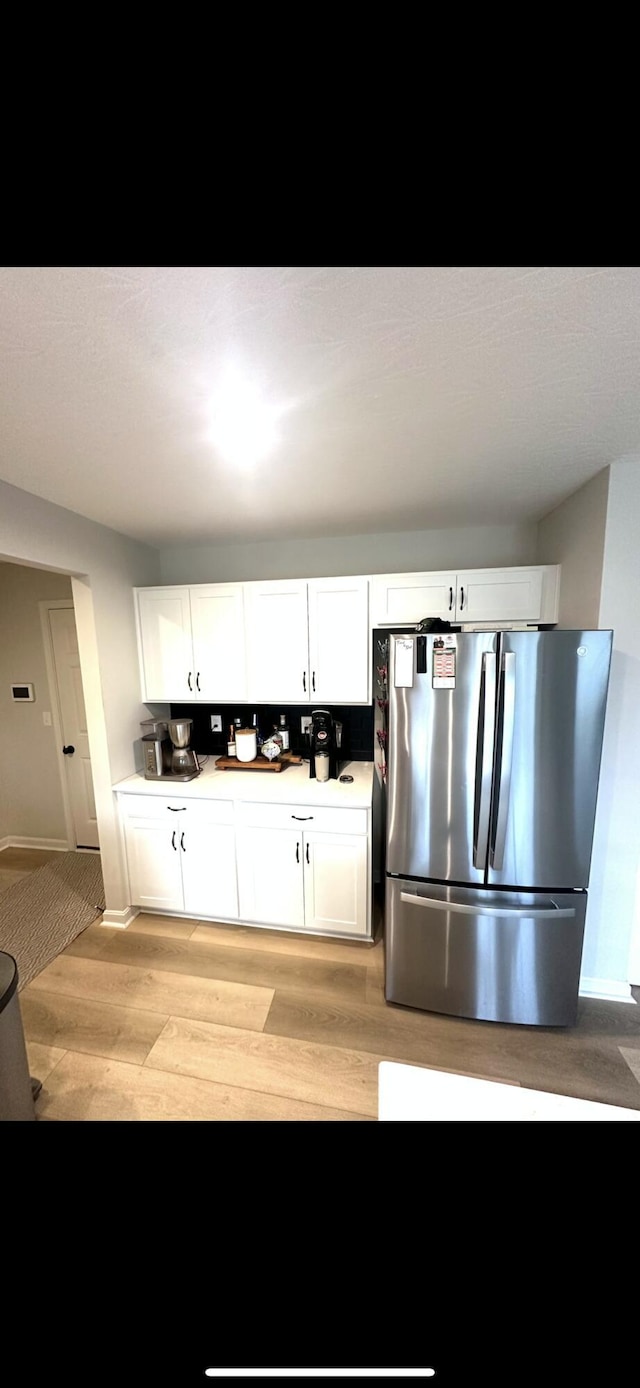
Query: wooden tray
259	763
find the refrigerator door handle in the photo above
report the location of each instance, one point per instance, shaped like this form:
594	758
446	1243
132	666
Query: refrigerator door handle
515	912
484	760
506	716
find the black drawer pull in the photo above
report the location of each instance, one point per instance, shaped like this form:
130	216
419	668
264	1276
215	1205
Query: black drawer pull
302	816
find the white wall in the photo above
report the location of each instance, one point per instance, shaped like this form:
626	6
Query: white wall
39	533
31	803
612	912
573	535
398	552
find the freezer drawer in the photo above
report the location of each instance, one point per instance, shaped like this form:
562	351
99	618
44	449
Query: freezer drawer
498	956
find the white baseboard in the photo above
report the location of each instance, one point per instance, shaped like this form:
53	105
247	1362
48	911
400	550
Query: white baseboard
609	989
120	918
19	841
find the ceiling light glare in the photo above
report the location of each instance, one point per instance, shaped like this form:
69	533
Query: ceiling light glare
243	423
320	1373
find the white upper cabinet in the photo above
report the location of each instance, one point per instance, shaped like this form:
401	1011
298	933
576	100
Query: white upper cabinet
495	595
277	642
399	598
192	643
339	640
297	641
166	649
217	624
524	594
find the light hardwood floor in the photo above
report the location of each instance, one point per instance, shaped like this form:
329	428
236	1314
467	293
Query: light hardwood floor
181	1020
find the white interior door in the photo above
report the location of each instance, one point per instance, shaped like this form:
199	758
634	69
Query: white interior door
73	719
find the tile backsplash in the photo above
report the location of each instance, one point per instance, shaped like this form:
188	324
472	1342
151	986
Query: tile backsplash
357	726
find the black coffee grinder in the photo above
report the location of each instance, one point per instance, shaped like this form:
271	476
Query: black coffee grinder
325	737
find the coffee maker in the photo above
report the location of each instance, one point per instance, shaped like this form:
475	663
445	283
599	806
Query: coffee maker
166	753
326	740
156	749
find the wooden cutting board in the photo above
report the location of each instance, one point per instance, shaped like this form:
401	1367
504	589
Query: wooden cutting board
259	763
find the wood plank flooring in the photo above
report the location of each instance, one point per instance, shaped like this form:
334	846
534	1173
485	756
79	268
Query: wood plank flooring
176	1020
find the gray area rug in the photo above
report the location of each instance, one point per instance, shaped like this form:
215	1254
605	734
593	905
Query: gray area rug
45	911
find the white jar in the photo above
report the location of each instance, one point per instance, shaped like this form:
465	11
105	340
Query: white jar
246	744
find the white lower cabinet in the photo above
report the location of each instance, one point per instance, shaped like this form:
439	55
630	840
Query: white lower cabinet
181	857
155	870
295	866
270	878
335	883
303	877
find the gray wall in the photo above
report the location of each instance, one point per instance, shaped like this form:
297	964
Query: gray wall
31	804
573	535
472	547
51	537
612	923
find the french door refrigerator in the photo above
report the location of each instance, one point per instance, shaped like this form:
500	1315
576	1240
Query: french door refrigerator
493	759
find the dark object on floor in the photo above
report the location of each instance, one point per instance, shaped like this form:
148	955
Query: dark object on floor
16	1098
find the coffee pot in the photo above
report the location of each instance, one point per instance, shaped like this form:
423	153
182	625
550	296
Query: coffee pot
184	762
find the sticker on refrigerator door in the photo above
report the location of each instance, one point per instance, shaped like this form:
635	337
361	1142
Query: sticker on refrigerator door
443	675
403	666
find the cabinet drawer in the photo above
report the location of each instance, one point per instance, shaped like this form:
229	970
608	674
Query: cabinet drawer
322	817
206	811
149	806
161	807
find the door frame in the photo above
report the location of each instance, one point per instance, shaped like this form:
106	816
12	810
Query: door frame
46	606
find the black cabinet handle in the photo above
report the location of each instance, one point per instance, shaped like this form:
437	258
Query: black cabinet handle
304	680
297	852
302	816
451	599
173	841
461	599
189	681
198	681
68	751
313	681
182	843
307	847
176	809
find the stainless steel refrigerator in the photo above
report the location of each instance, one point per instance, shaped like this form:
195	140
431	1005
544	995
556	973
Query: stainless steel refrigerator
493	747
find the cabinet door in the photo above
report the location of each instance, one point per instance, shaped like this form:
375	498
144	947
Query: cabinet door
398	598
277	642
153	856
335	883
339	640
166	652
217	621
494	595
270	876
208	856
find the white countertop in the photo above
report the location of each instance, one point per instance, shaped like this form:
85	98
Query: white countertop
293	785
413	1093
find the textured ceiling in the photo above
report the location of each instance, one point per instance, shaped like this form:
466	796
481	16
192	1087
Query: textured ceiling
413	397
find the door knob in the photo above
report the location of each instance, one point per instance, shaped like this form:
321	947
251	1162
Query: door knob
68	751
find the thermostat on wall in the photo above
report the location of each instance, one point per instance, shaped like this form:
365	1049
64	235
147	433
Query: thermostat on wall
23	693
